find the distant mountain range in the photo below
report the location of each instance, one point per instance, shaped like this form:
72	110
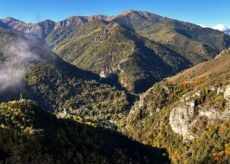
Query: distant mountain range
139	48
95	75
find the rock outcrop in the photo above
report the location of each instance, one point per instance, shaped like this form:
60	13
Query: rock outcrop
181	119
186	113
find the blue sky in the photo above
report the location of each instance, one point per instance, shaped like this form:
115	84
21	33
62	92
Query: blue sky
203	12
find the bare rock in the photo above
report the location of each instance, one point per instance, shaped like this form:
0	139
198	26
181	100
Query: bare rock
227	93
180	119
184	115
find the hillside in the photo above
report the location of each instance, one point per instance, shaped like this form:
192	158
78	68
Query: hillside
153	47
178	44
3	25
70	90
211	72
193	42
29	134
31	70
188	114
112	50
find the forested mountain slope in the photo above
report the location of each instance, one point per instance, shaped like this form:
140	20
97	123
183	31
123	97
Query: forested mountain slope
118	73
111	49
188	114
193	42
29	134
152	46
28	68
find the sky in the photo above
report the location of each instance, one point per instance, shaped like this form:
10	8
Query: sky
202	12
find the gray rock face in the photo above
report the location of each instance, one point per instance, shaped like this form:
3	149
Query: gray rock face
180	119
185	115
227	97
213	114
227	93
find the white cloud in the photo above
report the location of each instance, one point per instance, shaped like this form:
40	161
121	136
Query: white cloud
18	54
204	26
221	27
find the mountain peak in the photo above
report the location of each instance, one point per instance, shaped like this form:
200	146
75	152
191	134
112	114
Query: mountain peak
48	20
9	20
128	12
143	14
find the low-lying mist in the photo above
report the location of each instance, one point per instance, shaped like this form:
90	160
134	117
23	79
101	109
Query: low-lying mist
17	54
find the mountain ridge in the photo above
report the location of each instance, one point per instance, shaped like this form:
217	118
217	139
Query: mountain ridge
171	38
96	76
144	14
144	52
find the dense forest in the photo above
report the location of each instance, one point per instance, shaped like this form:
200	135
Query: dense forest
31	135
131	88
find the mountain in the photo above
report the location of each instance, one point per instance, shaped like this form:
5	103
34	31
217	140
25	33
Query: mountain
149	25
29	134
193	42
30	69
93	76
185	45
48	29
154	27
187	114
10	21
109	49
40	30
3	25
155	46
227	31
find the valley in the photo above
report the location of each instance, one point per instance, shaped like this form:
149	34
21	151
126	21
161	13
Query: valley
132	88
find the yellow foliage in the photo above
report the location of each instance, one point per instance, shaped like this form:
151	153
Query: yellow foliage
227	150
